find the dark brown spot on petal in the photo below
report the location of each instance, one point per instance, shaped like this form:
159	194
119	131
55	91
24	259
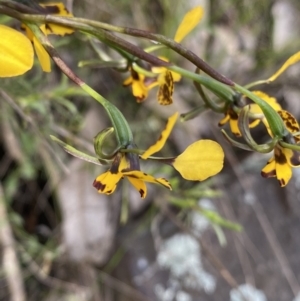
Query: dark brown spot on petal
281	182
98	185
134	74
268	174
48	27
279	156
142	193
233	115
52	9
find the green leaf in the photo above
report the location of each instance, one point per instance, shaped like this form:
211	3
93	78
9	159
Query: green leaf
215	218
78	154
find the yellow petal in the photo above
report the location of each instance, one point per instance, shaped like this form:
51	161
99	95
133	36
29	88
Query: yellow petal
162	139
16	52
176	76
128	81
139	90
290	122
139	185
42	55
137	174
283	174
234	127
272	101
224	120
136	80
189	22
283	169
107	182
57	9
166	88
295	58
270	169
292	156
201	160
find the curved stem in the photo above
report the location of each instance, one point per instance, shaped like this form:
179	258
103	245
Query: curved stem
74	22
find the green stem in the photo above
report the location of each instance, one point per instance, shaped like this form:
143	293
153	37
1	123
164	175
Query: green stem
221	90
122	129
294	147
276	123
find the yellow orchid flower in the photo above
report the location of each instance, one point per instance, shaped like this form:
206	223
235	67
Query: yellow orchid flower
136	81
164	79
232	116
284	159
126	165
54	8
16	52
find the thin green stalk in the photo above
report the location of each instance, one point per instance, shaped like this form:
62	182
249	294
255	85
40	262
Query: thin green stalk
122	129
221	90
276	123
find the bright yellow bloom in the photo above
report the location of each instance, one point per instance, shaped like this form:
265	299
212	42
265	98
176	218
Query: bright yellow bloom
16	53
201	160
141	85
136	81
126	165
232	116
56	9
165	82
255	109
165	79
284	159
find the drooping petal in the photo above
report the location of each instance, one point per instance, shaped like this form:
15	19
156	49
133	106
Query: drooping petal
270	169
107	182
162	139
16	52
147	178
139	90
290	122
166	88
189	22
224	120
292	157
283	168
42	55
232	117
57	9
295	58
139	185
233	122
201	160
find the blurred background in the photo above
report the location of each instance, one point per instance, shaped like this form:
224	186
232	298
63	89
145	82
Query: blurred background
61	240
